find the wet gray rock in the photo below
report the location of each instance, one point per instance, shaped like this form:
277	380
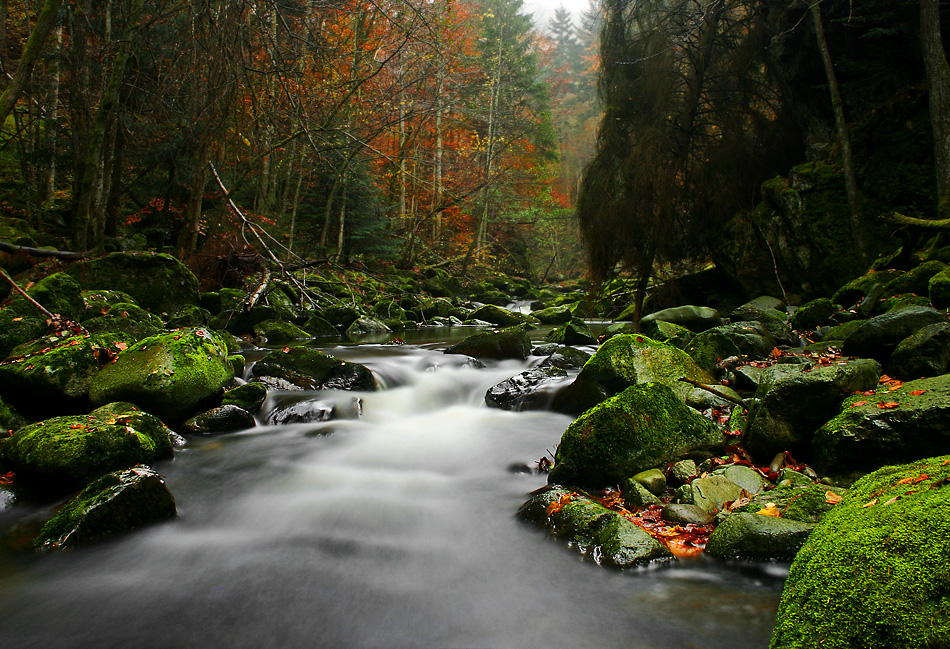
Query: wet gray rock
878	337
683	514
223	419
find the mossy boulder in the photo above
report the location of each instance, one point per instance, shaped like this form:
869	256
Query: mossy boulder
629	359
171	375
511	343
870	432
309	369
115	504
923	353
775	322
938	289
317	326
555	315
98	302
757	537
158	282
916	280
710	347
593	530
858	289
190	315
575	332
223	419
54	378
110	324
64	453
877	337
806	502
695	318
22	322
793	400
661	331
873	574
643	427
367	327
277	332
249	396
814	314
500	317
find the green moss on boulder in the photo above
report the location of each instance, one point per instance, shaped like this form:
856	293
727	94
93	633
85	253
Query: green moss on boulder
55	377
511	343
64	453
158	282
249	396
874	572
644	426
814	314
277	332
629	359
116	503
171	375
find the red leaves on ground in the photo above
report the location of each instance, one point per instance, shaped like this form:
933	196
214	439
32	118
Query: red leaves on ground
558	504
917	393
887	405
6	478
858	403
832	498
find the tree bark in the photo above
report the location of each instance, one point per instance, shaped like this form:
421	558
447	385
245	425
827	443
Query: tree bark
938	77
844	139
34	45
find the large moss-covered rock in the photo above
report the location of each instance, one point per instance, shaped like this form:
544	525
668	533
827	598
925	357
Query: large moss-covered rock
873	574
171	375
555	315
54	378
870	432
938	289
64	453
710	347
694	318
629	359
804	501
249	396
642	427
878	337
115	504
22	322
923	353
592	529
158	282
814	314
511	343
758	538
792	401
856	290
277	332
575	332
318	327
309	369
500	317
916	280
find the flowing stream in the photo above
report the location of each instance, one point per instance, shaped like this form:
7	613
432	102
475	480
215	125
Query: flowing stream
392	530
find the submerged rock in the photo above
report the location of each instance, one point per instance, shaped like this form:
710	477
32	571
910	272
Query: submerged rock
171	375
644	426
512	343
116	503
223	419
597	532
873	573
309	369
64	453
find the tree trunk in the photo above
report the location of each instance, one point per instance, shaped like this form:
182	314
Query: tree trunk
844	138
938	77
34	45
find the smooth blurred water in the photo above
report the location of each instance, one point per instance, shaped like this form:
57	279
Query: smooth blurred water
393	530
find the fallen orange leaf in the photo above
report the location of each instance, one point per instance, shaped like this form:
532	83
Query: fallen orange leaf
921	478
873	502
770	510
858	403
887	405
917	393
832	498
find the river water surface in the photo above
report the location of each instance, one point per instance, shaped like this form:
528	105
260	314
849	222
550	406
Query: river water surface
392	530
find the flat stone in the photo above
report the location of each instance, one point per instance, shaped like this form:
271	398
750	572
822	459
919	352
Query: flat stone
714	491
684	514
652	480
